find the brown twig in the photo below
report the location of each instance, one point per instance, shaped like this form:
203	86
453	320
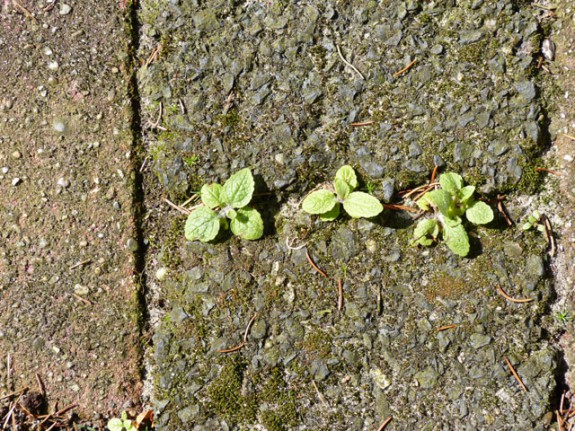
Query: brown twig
425	188
41	386
397	207
159	119
446	327
84	262
569	136
340	294
319	394
13	394
405	69
549	234
433	174
502	210
84	300
9	372
515	374
362	123
24	10
248	328
10	412
176	207
233	349
348	63
153	55
312	263
241	345
509	298
56	414
291	247
550	171
384	424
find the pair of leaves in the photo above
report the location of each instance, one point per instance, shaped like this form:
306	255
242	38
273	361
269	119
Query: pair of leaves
204	223
454	234
327	204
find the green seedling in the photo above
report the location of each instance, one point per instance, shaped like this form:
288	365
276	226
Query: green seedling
327	202
450	203
221	203
563	317
121	424
534	220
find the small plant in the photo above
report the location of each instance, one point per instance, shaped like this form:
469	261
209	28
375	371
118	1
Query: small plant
563	317
449	204
121	424
191	161
221	203
327	202
534	220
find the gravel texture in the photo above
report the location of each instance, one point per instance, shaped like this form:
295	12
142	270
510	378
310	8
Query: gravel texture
228	85
68	302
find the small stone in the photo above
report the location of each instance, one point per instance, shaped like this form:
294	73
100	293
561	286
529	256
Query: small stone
16	181
81	290
526	89
59	126
53	65
161	274
65	9
379	378
468	37
479	340
388	185
548	49
5	170
16	155
534	265
132	245
427	378
568	157
63	182
436	49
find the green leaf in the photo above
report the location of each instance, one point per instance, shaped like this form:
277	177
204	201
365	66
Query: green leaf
231	214
342	189
442	200
360	204
238	189
456	239
331	214
211	195
203	224
465	193
424	229
319	202
527	226
479	213
115	424
451	182
248	224
347	174
424	202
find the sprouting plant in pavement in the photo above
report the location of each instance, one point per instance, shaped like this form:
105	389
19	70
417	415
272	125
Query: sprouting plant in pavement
449	204
221	203
121	424
534	220
563	317
327	202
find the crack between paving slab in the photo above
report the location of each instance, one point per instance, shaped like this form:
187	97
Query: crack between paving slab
138	204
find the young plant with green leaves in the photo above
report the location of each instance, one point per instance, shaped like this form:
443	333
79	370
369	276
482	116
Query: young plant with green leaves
121	424
534	220
327	202
450	203
221	203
